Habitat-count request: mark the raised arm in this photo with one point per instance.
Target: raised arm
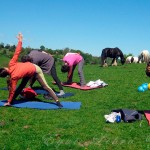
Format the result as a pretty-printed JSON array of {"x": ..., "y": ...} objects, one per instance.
[
  {"x": 13, "y": 82},
  {"x": 17, "y": 51}
]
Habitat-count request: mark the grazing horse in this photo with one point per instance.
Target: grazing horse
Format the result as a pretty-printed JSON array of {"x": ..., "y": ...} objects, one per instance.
[
  {"x": 132, "y": 59},
  {"x": 114, "y": 53},
  {"x": 144, "y": 56}
]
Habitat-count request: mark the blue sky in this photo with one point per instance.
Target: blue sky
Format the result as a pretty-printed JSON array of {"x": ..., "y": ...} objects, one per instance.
[{"x": 86, "y": 25}]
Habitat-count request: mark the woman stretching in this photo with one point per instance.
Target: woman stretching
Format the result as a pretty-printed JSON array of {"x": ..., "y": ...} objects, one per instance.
[
  {"x": 71, "y": 60},
  {"x": 24, "y": 71}
]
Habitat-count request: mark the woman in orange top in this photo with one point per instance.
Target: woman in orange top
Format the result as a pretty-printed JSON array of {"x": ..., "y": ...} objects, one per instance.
[{"x": 24, "y": 71}]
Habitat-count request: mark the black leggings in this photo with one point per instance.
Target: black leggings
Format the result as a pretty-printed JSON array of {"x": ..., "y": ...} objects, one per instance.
[
  {"x": 40, "y": 80},
  {"x": 55, "y": 77}
]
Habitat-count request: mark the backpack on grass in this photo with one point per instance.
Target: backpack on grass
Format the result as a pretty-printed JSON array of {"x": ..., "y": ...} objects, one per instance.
[{"x": 128, "y": 115}]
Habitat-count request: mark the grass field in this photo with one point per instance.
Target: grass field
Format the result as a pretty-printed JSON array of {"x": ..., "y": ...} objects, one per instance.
[{"x": 86, "y": 128}]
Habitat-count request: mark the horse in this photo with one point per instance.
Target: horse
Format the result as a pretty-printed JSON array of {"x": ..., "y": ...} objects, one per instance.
[
  {"x": 144, "y": 56},
  {"x": 114, "y": 53},
  {"x": 132, "y": 59}
]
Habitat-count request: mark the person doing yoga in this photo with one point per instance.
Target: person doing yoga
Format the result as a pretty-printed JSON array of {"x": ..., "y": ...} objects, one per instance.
[{"x": 18, "y": 70}]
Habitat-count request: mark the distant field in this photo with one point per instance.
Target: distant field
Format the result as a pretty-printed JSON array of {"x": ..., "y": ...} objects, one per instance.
[{"x": 83, "y": 129}]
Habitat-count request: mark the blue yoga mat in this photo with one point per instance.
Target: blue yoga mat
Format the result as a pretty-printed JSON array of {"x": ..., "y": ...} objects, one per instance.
[
  {"x": 42, "y": 105},
  {"x": 42, "y": 91}
]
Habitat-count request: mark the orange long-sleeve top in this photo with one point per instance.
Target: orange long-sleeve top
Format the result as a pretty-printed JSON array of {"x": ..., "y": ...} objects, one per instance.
[{"x": 18, "y": 70}]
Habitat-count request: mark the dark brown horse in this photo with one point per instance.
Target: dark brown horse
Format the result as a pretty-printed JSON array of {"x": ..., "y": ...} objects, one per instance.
[{"x": 113, "y": 53}]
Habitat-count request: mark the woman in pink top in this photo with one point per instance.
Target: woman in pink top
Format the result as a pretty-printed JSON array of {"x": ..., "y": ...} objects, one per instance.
[{"x": 71, "y": 60}]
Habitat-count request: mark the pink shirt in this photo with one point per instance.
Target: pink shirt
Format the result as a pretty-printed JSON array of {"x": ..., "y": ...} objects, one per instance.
[{"x": 72, "y": 58}]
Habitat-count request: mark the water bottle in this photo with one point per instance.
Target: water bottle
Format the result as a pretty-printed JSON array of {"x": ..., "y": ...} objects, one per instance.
[{"x": 118, "y": 118}]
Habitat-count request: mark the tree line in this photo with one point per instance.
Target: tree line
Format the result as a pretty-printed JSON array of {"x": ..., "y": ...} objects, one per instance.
[{"x": 8, "y": 51}]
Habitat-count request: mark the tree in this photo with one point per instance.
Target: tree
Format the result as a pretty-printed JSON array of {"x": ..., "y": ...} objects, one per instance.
[
  {"x": 12, "y": 48},
  {"x": 66, "y": 50},
  {"x": 7, "y": 46},
  {"x": 1, "y": 45},
  {"x": 128, "y": 55},
  {"x": 42, "y": 47}
]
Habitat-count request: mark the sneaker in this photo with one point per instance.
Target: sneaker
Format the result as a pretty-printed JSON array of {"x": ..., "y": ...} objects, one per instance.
[{"x": 61, "y": 93}]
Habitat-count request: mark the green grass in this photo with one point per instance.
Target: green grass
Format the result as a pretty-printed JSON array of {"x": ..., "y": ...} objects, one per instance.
[{"x": 83, "y": 129}]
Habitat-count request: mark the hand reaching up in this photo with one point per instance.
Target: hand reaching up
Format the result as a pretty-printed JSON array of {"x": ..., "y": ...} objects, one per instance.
[{"x": 20, "y": 37}]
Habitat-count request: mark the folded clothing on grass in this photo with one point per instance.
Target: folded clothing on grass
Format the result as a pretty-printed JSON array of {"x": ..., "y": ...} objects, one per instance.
[{"x": 96, "y": 83}]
